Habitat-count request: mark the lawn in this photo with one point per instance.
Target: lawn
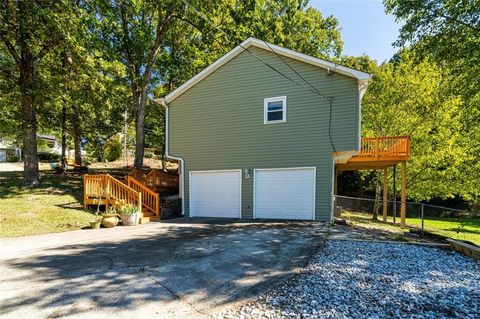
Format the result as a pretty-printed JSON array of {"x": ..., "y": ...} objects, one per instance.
[
  {"x": 464, "y": 229},
  {"x": 55, "y": 206}
]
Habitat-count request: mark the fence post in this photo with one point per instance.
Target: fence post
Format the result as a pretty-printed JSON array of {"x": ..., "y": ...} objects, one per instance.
[
  {"x": 394, "y": 193},
  {"x": 422, "y": 211}
]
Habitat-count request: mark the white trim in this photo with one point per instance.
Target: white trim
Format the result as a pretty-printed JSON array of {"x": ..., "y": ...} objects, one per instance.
[
  {"x": 213, "y": 171},
  {"x": 362, "y": 77},
  {"x": 267, "y": 100},
  {"x": 283, "y": 169}
]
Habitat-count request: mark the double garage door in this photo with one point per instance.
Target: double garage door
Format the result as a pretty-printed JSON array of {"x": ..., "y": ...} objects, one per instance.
[{"x": 277, "y": 193}]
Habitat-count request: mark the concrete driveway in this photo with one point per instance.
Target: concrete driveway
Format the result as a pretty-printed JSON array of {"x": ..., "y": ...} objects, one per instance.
[{"x": 183, "y": 268}]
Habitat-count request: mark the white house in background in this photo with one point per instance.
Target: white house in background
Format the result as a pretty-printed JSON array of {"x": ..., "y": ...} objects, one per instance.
[{"x": 8, "y": 148}]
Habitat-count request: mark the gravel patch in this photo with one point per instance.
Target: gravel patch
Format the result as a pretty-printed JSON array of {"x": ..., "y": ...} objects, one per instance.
[{"x": 375, "y": 280}]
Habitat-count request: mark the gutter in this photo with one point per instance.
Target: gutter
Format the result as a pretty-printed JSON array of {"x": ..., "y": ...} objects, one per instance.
[{"x": 163, "y": 103}]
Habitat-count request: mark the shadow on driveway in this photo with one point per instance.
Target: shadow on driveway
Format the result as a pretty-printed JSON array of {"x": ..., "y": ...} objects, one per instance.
[{"x": 182, "y": 268}]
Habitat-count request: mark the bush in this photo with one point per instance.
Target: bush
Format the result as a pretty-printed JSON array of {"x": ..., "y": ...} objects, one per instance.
[
  {"x": 49, "y": 157},
  {"x": 148, "y": 154},
  {"x": 113, "y": 149},
  {"x": 13, "y": 158}
]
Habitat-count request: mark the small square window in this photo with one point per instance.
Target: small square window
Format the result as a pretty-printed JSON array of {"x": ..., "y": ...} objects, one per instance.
[{"x": 275, "y": 110}]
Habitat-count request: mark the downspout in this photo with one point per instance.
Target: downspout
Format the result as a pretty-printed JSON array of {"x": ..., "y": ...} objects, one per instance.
[{"x": 163, "y": 103}]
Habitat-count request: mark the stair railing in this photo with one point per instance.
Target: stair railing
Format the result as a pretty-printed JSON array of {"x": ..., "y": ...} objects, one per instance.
[{"x": 150, "y": 199}]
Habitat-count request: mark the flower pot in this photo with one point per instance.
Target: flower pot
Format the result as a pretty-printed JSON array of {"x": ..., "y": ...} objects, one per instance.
[
  {"x": 95, "y": 224},
  {"x": 129, "y": 219},
  {"x": 109, "y": 220}
]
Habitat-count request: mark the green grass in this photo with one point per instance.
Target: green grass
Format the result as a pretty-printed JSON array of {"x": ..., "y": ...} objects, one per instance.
[
  {"x": 55, "y": 206},
  {"x": 464, "y": 229}
]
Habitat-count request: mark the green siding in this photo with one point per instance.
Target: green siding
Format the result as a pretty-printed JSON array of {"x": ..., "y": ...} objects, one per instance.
[{"x": 218, "y": 123}]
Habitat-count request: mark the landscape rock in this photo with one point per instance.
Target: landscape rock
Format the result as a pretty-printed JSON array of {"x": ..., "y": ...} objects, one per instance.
[{"x": 375, "y": 280}]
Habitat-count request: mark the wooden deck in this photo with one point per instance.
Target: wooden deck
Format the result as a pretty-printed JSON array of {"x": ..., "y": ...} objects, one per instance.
[{"x": 380, "y": 153}]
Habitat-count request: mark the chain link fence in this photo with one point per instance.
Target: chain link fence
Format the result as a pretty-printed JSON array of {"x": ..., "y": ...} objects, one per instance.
[{"x": 420, "y": 217}]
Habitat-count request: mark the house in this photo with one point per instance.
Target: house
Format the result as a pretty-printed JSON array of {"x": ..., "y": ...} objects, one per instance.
[
  {"x": 48, "y": 144},
  {"x": 256, "y": 140},
  {"x": 9, "y": 151}
]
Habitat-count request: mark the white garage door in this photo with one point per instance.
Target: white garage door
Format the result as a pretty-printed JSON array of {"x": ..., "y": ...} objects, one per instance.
[
  {"x": 285, "y": 193},
  {"x": 216, "y": 194}
]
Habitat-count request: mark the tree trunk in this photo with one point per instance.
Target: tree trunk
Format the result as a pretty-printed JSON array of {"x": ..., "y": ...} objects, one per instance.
[
  {"x": 29, "y": 121},
  {"x": 140, "y": 128},
  {"x": 378, "y": 191},
  {"x": 64, "y": 135},
  {"x": 77, "y": 135}
]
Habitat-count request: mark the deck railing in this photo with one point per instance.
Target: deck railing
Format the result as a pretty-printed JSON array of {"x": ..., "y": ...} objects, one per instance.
[
  {"x": 384, "y": 148},
  {"x": 107, "y": 189},
  {"x": 150, "y": 199},
  {"x": 162, "y": 179},
  {"x": 155, "y": 179}
]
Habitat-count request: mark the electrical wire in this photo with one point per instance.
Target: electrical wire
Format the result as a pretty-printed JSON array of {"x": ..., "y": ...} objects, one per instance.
[
  {"x": 239, "y": 43},
  {"x": 329, "y": 98}
]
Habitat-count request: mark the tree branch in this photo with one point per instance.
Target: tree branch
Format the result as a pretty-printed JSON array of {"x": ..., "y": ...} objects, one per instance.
[
  {"x": 10, "y": 49},
  {"x": 162, "y": 28},
  {"x": 438, "y": 13},
  {"x": 126, "y": 41}
]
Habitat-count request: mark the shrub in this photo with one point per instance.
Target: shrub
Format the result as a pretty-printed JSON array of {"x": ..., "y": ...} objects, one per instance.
[
  {"x": 13, "y": 158},
  {"x": 148, "y": 154},
  {"x": 113, "y": 149},
  {"x": 49, "y": 157}
]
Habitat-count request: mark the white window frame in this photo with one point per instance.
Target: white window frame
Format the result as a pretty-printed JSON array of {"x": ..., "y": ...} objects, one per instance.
[{"x": 282, "y": 99}]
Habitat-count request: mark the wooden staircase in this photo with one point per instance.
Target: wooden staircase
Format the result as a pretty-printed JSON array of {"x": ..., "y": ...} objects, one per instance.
[
  {"x": 109, "y": 191},
  {"x": 150, "y": 201}
]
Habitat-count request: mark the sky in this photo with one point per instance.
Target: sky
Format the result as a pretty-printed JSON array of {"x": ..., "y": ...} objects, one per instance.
[{"x": 365, "y": 26}]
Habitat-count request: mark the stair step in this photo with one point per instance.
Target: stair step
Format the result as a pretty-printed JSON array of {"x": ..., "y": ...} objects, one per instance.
[
  {"x": 144, "y": 220},
  {"x": 147, "y": 214}
]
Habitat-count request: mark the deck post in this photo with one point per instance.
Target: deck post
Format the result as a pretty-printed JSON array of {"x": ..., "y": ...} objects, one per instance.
[
  {"x": 85, "y": 191},
  {"x": 385, "y": 194},
  {"x": 335, "y": 181},
  {"x": 403, "y": 203}
]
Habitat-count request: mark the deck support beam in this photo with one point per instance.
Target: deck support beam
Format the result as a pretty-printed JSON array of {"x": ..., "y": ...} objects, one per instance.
[
  {"x": 335, "y": 181},
  {"x": 403, "y": 204},
  {"x": 385, "y": 194}
]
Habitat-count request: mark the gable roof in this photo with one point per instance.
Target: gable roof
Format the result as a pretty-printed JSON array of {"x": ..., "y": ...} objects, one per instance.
[{"x": 362, "y": 77}]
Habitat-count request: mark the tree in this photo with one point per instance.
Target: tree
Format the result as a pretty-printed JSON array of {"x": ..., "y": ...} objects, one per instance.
[
  {"x": 448, "y": 33},
  {"x": 408, "y": 97},
  {"x": 165, "y": 43},
  {"x": 29, "y": 30},
  {"x": 134, "y": 32}
]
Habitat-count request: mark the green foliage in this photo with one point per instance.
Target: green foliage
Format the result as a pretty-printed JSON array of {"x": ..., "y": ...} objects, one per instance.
[
  {"x": 408, "y": 97},
  {"x": 128, "y": 209},
  {"x": 148, "y": 154},
  {"x": 448, "y": 33},
  {"x": 48, "y": 157},
  {"x": 113, "y": 149},
  {"x": 13, "y": 158}
]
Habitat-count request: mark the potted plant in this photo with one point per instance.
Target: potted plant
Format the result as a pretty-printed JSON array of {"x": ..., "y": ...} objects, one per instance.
[
  {"x": 110, "y": 218},
  {"x": 95, "y": 223},
  {"x": 129, "y": 215}
]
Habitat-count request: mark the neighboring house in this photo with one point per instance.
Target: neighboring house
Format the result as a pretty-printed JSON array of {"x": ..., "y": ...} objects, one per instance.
[
  {"x": 48, "y": 144},
  {"x": 7, "y": 149},
  {"x": 252, "y": 144}
]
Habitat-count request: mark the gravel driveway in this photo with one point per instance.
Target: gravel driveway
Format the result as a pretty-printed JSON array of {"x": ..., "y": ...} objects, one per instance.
[{"x": 352, "y": 279}]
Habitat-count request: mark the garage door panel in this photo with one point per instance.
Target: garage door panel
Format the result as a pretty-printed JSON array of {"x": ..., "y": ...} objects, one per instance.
[
  {"x": 285, "y": 193},
  {"x": 215, "y": 194}
]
